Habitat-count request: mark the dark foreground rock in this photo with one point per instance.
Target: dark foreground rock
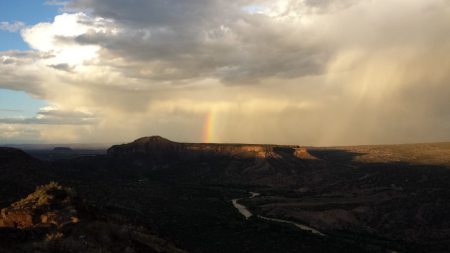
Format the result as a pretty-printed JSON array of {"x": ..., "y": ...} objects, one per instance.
[{"x": 54, "y": 219}]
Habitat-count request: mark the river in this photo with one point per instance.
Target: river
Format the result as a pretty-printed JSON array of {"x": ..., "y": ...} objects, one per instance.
[{"x": 247, "y": 214}]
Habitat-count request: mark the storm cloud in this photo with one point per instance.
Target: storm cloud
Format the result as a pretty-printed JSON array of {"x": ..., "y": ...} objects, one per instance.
[{"x": 307, "y": 72}]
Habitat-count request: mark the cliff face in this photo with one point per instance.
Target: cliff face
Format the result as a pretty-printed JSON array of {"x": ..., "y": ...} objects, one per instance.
[{"x": 159, "y": 148}]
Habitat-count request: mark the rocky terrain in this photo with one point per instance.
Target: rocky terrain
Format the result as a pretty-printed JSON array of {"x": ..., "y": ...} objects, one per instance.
[
  {"x": 54, "y": 219},
  {"x": 49, "y": 205},
  {"x": 364, "y": 199}
]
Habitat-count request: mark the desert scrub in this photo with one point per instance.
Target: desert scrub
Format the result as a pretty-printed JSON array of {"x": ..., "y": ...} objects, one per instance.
[
  {"x": 54, "y": 236},
  {"x": 43, "y": 196}
]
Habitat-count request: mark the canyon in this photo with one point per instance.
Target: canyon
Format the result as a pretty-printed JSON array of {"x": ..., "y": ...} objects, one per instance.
[{"x": 363, "y": 198}]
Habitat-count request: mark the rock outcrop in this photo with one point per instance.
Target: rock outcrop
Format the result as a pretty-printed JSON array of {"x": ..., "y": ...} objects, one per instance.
[
  {"x": 49, "y": 205},
  {"x": 157, "y": 147},
  {"x": 54, "y": 219}
]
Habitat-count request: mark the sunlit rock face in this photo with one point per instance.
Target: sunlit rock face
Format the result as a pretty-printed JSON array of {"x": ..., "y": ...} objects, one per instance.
[
  {"x": 157, "y": 147},
  {"x": 49, "y": 205},
  {"x": 303, "y": 153}
]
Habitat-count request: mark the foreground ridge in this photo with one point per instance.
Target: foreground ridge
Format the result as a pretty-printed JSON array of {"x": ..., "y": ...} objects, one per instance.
[{"x": 54, "y": 219}]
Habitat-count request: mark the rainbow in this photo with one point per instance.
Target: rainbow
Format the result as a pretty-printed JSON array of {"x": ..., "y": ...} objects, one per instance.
[{"x": 208, "y": 127}]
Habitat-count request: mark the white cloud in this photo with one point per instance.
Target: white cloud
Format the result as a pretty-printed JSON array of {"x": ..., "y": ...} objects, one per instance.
[
  {"x": 53, "y": 116},
  {"x": 12, "y": 27},
  {"x": 305, "y": 72},
  {"x": 55, "y": 38},
  {"x": 11, "y": 134}
]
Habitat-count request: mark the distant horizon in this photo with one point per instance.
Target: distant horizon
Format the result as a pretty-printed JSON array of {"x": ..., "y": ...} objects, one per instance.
[{"x": 109, "y": 144}]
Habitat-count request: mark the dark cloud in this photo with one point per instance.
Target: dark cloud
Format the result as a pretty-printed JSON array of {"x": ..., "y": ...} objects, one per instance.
[
  {"x": 160, "y": 13},
  {"x": 61, "y": 66},
  {"x": 182, "y": 40}
]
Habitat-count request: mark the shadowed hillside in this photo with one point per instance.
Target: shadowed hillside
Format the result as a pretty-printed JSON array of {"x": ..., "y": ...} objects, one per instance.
[
  {"x": 363, "y": 199},
  {"x": 54, "y": 219}
]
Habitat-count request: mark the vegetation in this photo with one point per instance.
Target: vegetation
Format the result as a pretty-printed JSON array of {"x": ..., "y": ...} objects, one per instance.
[
  {"x": 366, "y": 199},
  {"x": 44, "y": 196}
]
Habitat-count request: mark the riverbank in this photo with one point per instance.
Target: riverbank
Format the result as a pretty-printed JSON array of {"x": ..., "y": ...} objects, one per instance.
[{"x": 247, "y": 214}]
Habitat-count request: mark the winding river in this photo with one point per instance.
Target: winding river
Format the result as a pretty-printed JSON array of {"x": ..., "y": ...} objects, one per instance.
[{"x": 247, "y": 214}]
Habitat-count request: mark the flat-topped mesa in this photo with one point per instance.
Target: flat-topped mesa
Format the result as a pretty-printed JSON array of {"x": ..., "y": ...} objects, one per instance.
[
  {"x": 157, "y": 147},
  {"x": 153, "y": 140}
]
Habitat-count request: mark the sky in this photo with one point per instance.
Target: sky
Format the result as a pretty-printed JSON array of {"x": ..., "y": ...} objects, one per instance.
[{"x": 304, "y": 72}]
